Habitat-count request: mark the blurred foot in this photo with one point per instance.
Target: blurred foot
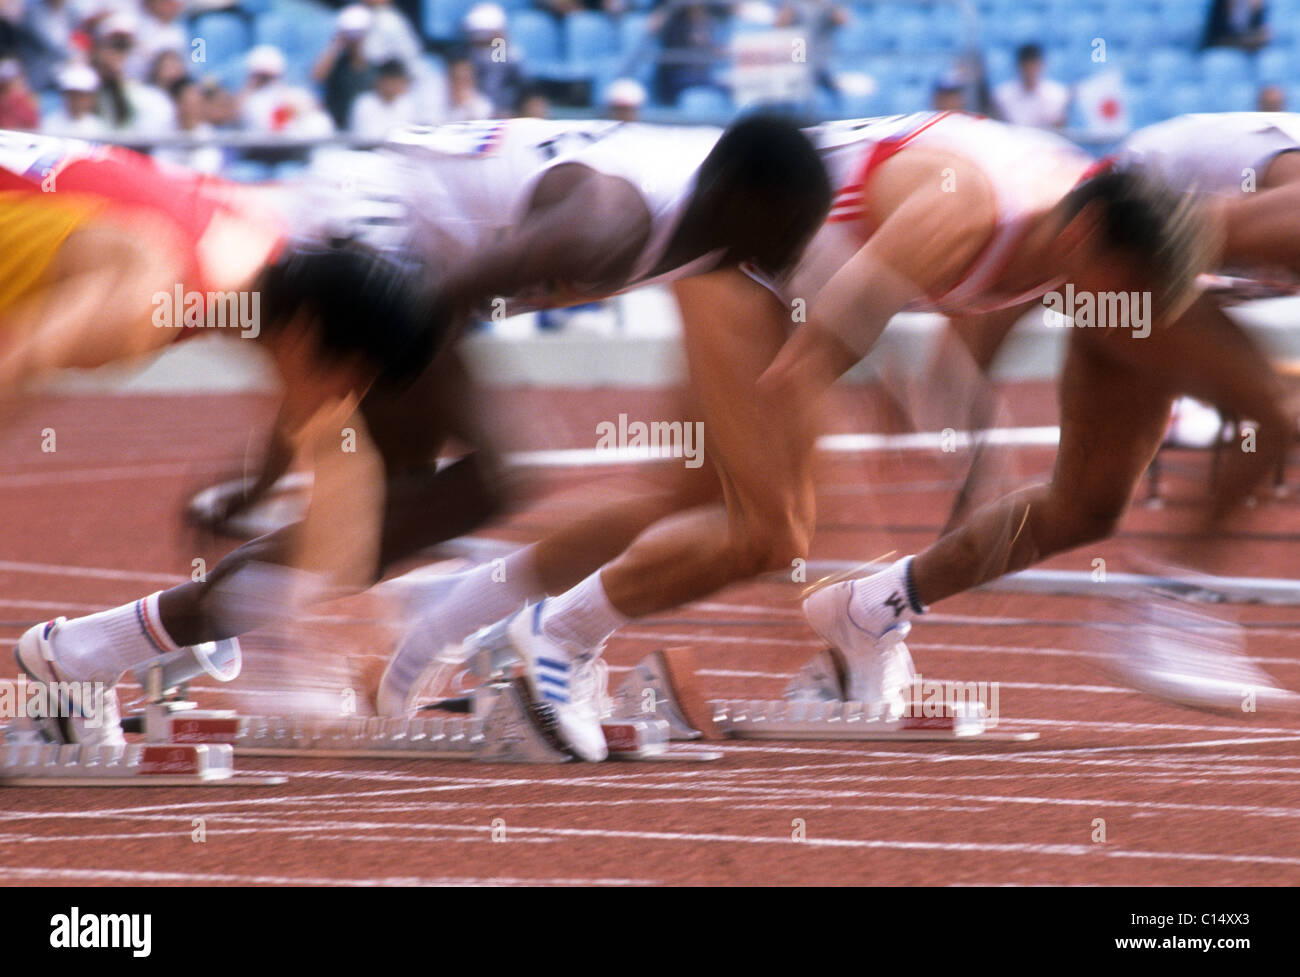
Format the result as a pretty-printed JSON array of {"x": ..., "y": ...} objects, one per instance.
[
  {"x": 565, "y": 679},
  {"x": 71, "y": 711}
]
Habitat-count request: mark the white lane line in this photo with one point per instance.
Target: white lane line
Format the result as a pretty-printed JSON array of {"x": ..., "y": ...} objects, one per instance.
[
  {"x": 139, "y": 876},
  {"x": 95, "y": 573},
  {"x": 109, "y": 474}
]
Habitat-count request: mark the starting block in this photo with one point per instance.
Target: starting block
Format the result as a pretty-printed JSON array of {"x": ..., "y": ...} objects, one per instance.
[
  {"x": 501, "y": 726},
  {"x": 183, "y": 746},
  {"x": 812, "y": 709}
]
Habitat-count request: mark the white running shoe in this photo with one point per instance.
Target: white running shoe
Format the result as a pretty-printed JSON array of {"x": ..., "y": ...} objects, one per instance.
[
  {"x": 425, "y": 654},
  {"x": 879, "y": 667},
  {"x": 1192, "y": 659},
  {"x": 75, "y": 720},
  {"x": 563, "y": 681}
]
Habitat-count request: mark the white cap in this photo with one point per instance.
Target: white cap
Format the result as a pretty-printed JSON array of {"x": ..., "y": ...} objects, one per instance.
[
  {"x": 265, "y": 59},
  {"x": 485, "y": 18},
  {"x": 78, "y": 78},
  {"x": 354, "y": 20},
  {"x": 626, "y": 93},
  {"x": 120, "y": 22}
]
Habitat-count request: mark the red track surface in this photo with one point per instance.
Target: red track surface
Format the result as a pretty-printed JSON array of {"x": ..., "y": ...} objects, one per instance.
[{"x": 1187, "y": 797}]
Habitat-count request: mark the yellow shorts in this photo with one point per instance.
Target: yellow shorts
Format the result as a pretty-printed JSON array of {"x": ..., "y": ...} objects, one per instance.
[{"x": 33, "y": 226}]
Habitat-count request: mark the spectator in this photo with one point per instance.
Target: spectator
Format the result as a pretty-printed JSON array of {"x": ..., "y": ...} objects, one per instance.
[
  {"x": 496, "y": 63},
  {"x": 1031, "y": 99},
  {"x": 47, "y": 40},
  {"x": 465, "y": 101},
  {"x": 562, "y": 8},
  {"x": 390, "y": 106},
  {"x": 819, "y": 20},
  {"x": 79, "y": 86},
  {"x": 390, "y": 36},
  {"x": 1237, "y": 23},
  {"x": 270, "y": 104},
  {"x": 18, "y": 109},
  {"x": 1271, "y": 98},
  {"x": 128, "y": 107},
  {"x": 624, "y": 100},
  {"x": 533, "y": 104},
  {"x": 691, "y": 38},
  {"x": 342, "y": 70},
  {"x": 949, "y": 93},
  {"x": 160, "y": 29},
  {"x": 187, "y": 96},
  {"x": 220, "y": 107},
  {"x": 165, "y": 70}
]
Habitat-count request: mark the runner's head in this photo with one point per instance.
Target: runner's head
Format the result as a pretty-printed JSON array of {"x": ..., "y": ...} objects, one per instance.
[
  {"x": 761, "y": 193},
  {"x": 338, "y": 316},
  {"x": 1123, "y": 230}
]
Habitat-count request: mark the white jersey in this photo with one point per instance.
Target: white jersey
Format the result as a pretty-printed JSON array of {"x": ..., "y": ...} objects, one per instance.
[
  {"x": 1220, "y": 154},
  {"x": 1029, "y": 170},
  {"x": 445, "y": 192}
]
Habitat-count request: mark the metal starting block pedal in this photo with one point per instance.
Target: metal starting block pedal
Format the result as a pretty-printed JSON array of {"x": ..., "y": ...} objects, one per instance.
[
  {"x": 133, "y": 765},
  {"x": 183, "y": 747},
  {"x": 813, "y": 709}
]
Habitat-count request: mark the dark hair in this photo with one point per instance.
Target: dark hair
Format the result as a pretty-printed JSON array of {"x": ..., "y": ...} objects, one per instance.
[
  {"x": 1143, "y": 218},
  {"x": 392, "y": 68},
  {"x": 764, "y": 166},
  {"x": 176, "y": 88},
  {"x": 365, "y": 305},
  {"x": 1029, "y": 52}
]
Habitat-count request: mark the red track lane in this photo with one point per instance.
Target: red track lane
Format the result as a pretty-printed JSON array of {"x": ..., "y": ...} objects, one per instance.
[{"x": 1186, "y": 797}]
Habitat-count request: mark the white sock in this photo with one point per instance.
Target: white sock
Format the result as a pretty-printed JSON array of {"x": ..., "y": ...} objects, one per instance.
[
  {"x": 583, "y": 617},
  {"x": 481, "y": 596},
  {"x": 258, "y": 595},
  {"x": 100, "y": 647},
  {"x": 885, "y": 599}
]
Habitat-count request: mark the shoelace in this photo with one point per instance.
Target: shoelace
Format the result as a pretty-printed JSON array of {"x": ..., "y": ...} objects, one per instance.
[{"x": 589, "y": 681}]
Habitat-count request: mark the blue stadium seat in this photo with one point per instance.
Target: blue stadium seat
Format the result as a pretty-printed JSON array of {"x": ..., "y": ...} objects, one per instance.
[
  {"x": 947, "y": 30},
  {"x": 999, "y": 65},
  {"x": 861, "y": 106},
  {"x": 1275, "y": 66},
  {"x": 1184, "y": 98},
  {"x": 1170, "y": 66},
  {"x": 1235, "y": 97},
  {"x": 858, "y": 37},
  {"x": 537, "y": 35},
  {"x": 1019, "y": 28},
  {"x": 911, "y": 34},
  {"x": 703, "y": 104},
  {"x": 590, "y": 42},
  {"x": 1182, "y": 25},
  {"x": 441, "y": 19},
  {"x": 902, "y": 99},
  {"x": 633, "y": 29},
  {"x": 1143, "y": 107},
  {"x": 300, "y": 38},
  {"x": 224, "y": 37},
  {"x": 1224, "y": 66},
  {"x": 1141, "y": 30}
]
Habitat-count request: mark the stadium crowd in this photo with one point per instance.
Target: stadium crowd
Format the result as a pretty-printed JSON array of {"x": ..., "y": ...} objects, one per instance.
[{"x": 136, "y": 70}]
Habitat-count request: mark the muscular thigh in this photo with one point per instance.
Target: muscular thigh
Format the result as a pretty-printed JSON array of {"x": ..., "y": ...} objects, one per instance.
[
  {"x": 1113, "y": 418},
  {"x": 732, "y": 330}
]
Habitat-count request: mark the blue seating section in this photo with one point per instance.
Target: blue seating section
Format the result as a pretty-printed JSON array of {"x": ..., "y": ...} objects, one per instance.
[{"x": 903, "y": 44}]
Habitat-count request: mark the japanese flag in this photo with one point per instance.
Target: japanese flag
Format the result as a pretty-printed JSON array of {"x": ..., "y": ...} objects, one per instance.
[{"x": 1102, "y": 105}]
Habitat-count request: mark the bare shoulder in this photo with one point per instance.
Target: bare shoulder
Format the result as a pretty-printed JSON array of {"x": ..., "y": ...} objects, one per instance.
[{"x": 935, "y": 212}]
